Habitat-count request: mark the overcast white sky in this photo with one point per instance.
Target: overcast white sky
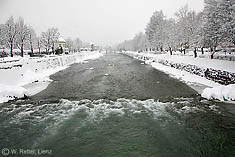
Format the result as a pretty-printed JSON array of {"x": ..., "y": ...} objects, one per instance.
[{"x": 104, "y": 22}]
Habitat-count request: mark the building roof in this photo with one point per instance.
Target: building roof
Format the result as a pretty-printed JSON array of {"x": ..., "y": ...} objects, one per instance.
[{"x": 61, "y": 39}]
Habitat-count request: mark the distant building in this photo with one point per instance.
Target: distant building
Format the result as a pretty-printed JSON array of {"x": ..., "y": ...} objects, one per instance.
[
  {"x": 85, "y": 49},
  {"x": 60, "y": 44}
]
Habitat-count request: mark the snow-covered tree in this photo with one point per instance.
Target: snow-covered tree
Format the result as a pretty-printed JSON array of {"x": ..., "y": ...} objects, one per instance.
[
  {"x": 54, "y": 36},
  {"x": 182, "y": 26},
  {"x": 170, "y": 31},
  {"x": 39, "y": 43},
  {"x": 32, "y": 38},
  {"x": 70, "y": 44},
  {"x": 22, "y": 35},
  {"x": 46, "y": 40},
  {"x": 226, "y": 14},
  {"x": 197, "y": 39},
  {"x": 154, "y": 29},
  {"x": 187, "y": 27},
  {"x": 140, "y": 42},
  {"x": 77, "y": 44},
  {"x": 211, "y": 25},
  {"x": 49, "y": 37},
  {"x": 1, "y": 34},
  {"x": 9, "y": 32},
  {"x": 219, "y": 23},
  {"x": 126, "y": 45}
]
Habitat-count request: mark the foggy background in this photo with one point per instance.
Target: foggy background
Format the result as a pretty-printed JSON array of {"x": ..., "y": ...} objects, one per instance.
[{"x": 104, "y": 22}]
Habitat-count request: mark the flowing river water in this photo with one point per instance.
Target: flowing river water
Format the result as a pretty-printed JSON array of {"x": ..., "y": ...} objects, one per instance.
[{"x": 162, "y": 126}]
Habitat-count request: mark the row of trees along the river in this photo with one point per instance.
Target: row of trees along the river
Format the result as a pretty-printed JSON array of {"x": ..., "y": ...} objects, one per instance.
[
  {"x": 213, "y": 27},
  {"x": 18, "y": 35}
]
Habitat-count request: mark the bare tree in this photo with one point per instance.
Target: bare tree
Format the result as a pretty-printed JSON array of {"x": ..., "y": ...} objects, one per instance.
[
  {"x": 22, "y": 35},
  {"x": 78, "y": 44},
  {"x": 70, "y": 44},
  {"x": 46, "y": 41},
  {"x": 183, "y": 28},
  {"x": 170, "y": 35},
  {"x": 9, "y": 33},
  {"x": 49, "y": 37},
  {"x": 1, "y": 34},
  {"x": 211, "y": 24},
  {"x": 54, "y": 36},
  {"x": 32, "y": 38},
  {"x": 39, "y": 44}
]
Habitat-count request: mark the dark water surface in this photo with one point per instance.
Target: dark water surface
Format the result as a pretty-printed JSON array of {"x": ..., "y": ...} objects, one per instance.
[{"x": 134, "y": 111}]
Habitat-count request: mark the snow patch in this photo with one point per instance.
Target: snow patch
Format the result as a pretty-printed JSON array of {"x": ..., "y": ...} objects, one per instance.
[
  {"x": 8, "y": 92},
  {"x": 221, "y": 93},
  {"x": 91, "y": 68}
]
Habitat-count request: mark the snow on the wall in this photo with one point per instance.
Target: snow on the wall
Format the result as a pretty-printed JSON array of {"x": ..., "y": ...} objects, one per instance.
[
  {"x": 194, "y": 66},
  {"x": 28, "y": 70},
  {"x": 199, "y": 70}
]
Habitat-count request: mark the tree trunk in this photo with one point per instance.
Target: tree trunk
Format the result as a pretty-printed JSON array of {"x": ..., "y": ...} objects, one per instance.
[
  {"x": 202, "y": 50},
  {"x": 39, "y": 48},
  {"x": 212, "y": 55},
  {"x": 48, "y": 46},
  {"x": 213, "y": 52},
  {"x": 214, "y": 48},
  {"x": 31, "y": 45},
  {"x": 170, "y": 50},
  {"x": 53, "y": 52},
  {"x": 22, "y": 50},
  {"x": 11, "y": 46},
  {"x": 211, "y": 49},
  {"x": 39, "y": 51},
  {"x": 195, "y": 52}
]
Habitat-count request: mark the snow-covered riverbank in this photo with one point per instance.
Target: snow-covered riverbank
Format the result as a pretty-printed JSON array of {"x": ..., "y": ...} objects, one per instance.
[
  {"x": 28, "y": 76},
  {"x": 192, "y": 71}
]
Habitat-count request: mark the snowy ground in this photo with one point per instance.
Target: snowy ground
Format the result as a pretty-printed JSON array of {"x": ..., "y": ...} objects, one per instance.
[
  {"x": 28, "y": 76},
  {"x": 207, "y": 88}
]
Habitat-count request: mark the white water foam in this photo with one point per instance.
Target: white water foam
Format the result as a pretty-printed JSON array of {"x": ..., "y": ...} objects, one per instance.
[
  {"x": 55, "y": 114},
  {"x": 97, "y": 110}
]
